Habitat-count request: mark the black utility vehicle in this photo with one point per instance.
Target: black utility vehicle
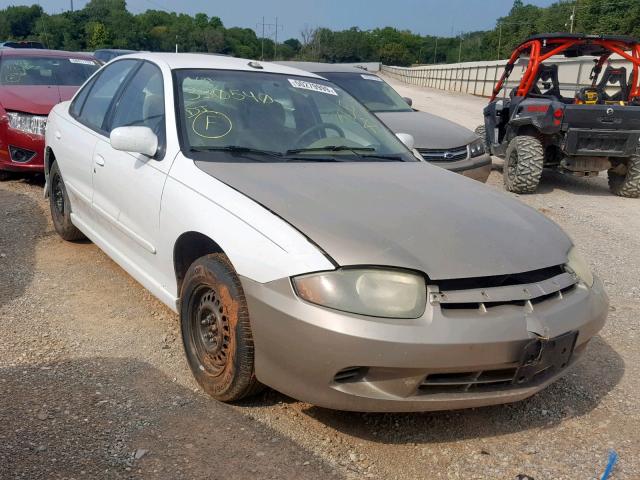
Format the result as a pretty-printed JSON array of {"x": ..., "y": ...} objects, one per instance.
[{"x": 536, "y": 127}]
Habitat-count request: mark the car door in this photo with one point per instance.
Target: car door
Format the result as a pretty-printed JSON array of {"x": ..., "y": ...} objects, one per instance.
[
  {"x": 127, "y": 187},
  {"x": 75, "y": 140}
]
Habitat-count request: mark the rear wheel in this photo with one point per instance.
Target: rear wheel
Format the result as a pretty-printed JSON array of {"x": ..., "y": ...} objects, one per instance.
[
  {"x": 216, "y": 332},
  {"x": 4, "y": 175},
  {"x": 61, "y": 208},
  {"x": 523, "y": 164},
  {"x": 626, "y": 183},
  {"x": 481, "y": 131}
]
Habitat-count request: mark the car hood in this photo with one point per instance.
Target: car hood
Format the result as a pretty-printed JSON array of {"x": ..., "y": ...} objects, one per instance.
[
  {"x": 36, "y": 99},
  {"x": 410, "y": 215},
  {"x": 429, "y": 131}
]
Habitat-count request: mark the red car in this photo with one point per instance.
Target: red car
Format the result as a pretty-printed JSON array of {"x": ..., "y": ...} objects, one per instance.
[{"x": 31, "y": 82}]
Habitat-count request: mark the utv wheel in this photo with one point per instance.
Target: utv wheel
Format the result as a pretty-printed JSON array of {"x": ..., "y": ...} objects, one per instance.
[
  {"x": 61, "y": 208},
  {"x": 216, "y": 332},
  {"x": 626, "y": 184},
  {"x": 481, "y": 131},
  {"x": 523, "y": 164}
]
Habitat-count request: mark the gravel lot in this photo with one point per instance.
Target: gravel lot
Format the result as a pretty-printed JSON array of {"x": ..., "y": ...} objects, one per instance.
[{"x": 93, "y": 383}]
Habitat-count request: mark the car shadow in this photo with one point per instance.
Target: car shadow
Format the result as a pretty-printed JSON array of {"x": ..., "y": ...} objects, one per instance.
[
  {"x": 552, "y": 181},
  {"x": 22, "y": 222},
  {"x": 90, "y": 417},
  {"x": 572, "y": 396}
]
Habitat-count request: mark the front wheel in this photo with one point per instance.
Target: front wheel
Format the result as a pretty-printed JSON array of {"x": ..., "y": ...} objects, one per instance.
[
  {"x": 216, "y": 333},
  {"x": 61, "y": 208},
  {"x": 523, "y": 164},
  {"x": 625, "y": 182}
]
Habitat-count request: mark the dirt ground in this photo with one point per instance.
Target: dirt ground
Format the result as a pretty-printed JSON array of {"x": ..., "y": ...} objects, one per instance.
[{"x": 93, "y": 383}]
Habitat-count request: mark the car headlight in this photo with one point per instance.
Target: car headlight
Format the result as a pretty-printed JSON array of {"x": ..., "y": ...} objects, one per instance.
[
  {"x": 374, "y": 292},
  {"x": 476, "y": 148},
  {"x": 34, "y": 124},
  {"x": 579, "y": 266}
]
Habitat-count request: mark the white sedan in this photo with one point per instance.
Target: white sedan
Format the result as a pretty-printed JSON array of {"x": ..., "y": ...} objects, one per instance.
[{"x": 305, "y": 247}]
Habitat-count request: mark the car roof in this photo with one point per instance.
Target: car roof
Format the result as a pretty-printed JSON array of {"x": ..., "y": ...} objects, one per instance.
[
  {"x": 117, "y": 50},
  {"x": 38, "y": 52},
  {"x": 320, "y": 68},
  {"x": 177, "y": 61}
]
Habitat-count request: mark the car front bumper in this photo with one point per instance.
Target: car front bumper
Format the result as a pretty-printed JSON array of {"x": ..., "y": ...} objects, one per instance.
[
  {"x": 477, "y": 168},
  {"x": 299, "y": 349},
  {"x": 15, "y": 138}
]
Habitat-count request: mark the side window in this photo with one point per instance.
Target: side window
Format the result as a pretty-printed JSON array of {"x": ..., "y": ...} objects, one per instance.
[
  {"x": 142, "y": 102},
  {"x": 78, "y": 102},
  {"x": 105, "y": 87}
]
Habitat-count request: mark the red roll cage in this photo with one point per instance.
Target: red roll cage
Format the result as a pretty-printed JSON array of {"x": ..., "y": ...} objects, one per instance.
[{"x": 543, "y": 47}]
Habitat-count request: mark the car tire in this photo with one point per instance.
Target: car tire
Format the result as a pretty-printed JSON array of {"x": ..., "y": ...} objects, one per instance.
[
  {"x": 4, "y": 175},
  {"x": 626, "y": 184},
  {"x": 481, "y": 131},
  {"x": 216, "y": 332},
  {"x": 61, "y": 207},
  {"x": 523, "y": 164}
]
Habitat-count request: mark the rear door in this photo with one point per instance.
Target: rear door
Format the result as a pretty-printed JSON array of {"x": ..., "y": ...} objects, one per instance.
[{"x": 76, "y": 139}]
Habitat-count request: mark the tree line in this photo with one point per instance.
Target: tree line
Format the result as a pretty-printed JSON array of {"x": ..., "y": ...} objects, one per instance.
[{"x": 108, "y": 24}]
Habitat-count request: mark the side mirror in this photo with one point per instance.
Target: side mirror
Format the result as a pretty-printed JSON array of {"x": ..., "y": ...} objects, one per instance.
[
  {"x": 408, "y": 100},
  {"x": 407, "y": 139},
  {"x": 135, "y": 140}
]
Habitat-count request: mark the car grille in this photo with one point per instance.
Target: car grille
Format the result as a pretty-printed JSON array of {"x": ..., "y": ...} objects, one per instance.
[
  {"x": 440, "y": 155},
  {"x": 521, "y": 289}
]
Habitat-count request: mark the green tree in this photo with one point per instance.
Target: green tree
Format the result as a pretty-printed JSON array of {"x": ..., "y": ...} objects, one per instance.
[{"x": 98, "y": 35}]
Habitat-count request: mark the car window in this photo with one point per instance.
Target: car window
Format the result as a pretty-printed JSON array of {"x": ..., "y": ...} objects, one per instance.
[
  {"x": 79, "y": 99},
  {"x": 376, "y": 94},
  {"x": 142, "y": 102},
  {"x": 45, "y": 70},
  {"x": 101, "y": 95},
  {"x": 285, "y": 114}
]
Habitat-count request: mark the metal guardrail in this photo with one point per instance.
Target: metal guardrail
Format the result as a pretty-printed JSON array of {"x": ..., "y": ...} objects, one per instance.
[{"x": 479, "y": 78}]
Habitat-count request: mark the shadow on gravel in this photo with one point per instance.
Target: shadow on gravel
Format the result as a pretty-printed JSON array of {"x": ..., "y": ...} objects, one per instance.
[
  {"x": 574, "y": 395},
  {"x": 88, "y": 418},
  {"x": 552, "y": 181},
  {"x": 21, "y": 223}
]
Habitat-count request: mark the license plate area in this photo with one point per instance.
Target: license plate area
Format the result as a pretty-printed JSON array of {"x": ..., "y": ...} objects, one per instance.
[{"x": 544, "y": 357}]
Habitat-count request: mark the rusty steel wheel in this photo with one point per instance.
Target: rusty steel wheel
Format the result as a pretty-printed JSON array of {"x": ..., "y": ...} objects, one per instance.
[{"x": 215, "y": 329}]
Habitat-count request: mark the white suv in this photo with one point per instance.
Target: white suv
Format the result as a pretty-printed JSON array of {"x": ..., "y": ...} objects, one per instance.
[{"x": 305, "y": 247}]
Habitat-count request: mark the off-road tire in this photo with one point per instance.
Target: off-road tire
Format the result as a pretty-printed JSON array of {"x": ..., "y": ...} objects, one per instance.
[
  {"x": 216, "y": 332},
  {"x": 61, "y": 207},
  {"x": 523, "y": 164},
  {"x": 627, "y": 185},
  {"x": 481, "y": 131}
]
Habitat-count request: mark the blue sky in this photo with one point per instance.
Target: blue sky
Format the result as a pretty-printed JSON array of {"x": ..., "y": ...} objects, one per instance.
[{"x": 439, "y": 17}]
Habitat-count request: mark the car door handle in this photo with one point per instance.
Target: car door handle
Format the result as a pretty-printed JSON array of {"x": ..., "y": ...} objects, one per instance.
[
  {"x": 99, "y": 160},
  {"x": 58, "y": 135}
]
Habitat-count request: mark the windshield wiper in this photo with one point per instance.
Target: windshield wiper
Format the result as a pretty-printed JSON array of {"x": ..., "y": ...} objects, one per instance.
[
  {"x": 330, "y": 148},
  {"x": 236, "y": 149},
  {"x": 393, "y": 158}
]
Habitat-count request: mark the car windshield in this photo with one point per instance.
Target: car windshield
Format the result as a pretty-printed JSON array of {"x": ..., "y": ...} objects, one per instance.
[
  {"x": 376, "y": 94},
  {"x": 259, "y": 116},
  {"x": 45, "y": 70}
]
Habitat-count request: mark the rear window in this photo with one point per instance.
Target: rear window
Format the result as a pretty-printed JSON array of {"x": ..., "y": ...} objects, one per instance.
[{"x": 45, "y": 70}]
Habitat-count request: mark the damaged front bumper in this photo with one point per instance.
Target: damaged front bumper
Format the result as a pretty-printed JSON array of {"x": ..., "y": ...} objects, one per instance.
[{"x": 482, "y": 353}]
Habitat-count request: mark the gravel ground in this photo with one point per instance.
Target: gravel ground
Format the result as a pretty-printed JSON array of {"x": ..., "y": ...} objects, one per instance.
[{"x": 93, "y": 383}]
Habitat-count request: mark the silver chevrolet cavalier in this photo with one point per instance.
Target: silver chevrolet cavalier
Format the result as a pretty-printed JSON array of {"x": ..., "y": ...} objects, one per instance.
[{"x": 306, "y": 248}]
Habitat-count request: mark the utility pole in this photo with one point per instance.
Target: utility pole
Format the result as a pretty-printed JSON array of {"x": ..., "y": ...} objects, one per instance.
[
  {"x": 435, "y": 52},
  {"x": 460, "y": 49},
  {"x": 176, "y": 43},
  {"x": 573, "y": 16},
  {"x": 262, "y": 42},
  {"x": 499, "y": 39},
  {"x": 275, "y": 44},
  {"x": 71, "y": 5}
]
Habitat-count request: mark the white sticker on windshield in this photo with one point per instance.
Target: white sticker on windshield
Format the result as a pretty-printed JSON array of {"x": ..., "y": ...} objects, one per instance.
[
  {"x": 316, "y": 87},
  {"x": 371, "y": 77},
  {"x": 82, "y": 61}
]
